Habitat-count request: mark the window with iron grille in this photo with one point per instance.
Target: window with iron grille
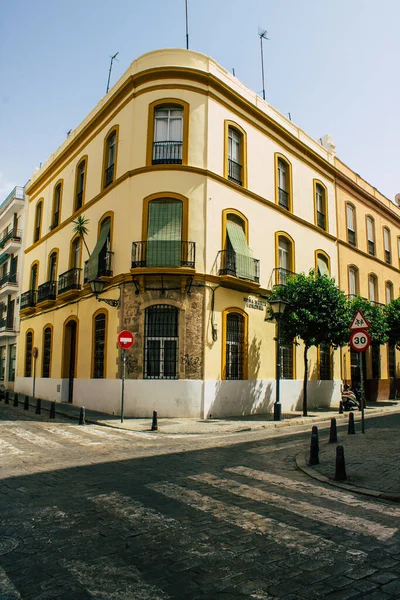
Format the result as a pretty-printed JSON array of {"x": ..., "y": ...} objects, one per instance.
[
  {"x": 286, "y": 351},
  {"x": 161, "y": 342},
  {"x": 28, "y": 354},
  {"x": 234, "y": 346},
  {"x": 325, "y": 362},
  {"x": 12, "y": 359},
  {"x": 376, "y": 362},
  {"x": 46, "y": 352},
  {"x": 392, "y": 360},
  {"x": 99, "y": 345}
]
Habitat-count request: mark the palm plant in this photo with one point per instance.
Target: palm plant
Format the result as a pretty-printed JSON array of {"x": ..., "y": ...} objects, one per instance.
[{"x": 80, "y": 228}]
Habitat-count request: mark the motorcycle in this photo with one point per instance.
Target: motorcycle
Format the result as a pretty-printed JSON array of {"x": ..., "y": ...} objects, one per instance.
[{"x": 349, "y": 400}]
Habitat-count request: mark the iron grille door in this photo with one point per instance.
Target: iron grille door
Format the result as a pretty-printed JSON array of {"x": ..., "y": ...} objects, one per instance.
[
  {"x": 46, "y": 352},
  {"x": 234, "y": 346},
  {"x": 161, "y": 342}
]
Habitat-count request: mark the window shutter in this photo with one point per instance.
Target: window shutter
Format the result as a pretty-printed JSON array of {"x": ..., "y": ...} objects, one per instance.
[
  {"x": 93, "y": 262},
  {"x": 164, "y": 234},
  {"x": 244, "y": 258}
]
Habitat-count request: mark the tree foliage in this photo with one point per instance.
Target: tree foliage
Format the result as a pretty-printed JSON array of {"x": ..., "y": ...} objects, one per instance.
[
  {"x": 376, "y": 317},
  {"x": 392, "y": 314},
  {"x": 80, "y": 228}
]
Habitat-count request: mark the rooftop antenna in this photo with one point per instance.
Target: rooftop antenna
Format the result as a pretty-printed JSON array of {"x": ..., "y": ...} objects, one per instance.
[
  {"x": 233, "y": 71},
  {"x": 109, "y": 71},
  {"x": 263, "y": 36},
  {"x": 187, "y": 25},
  {"x": 69, "y": 132}
]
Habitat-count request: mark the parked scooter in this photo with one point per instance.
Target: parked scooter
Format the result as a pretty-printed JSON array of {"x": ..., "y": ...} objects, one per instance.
[{"x": 349, "y": 399}]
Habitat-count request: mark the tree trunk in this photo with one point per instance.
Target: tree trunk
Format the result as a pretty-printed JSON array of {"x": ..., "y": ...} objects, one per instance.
[
  {"x": 84, "y": 241},
  {"x": 305, "y": 381}
]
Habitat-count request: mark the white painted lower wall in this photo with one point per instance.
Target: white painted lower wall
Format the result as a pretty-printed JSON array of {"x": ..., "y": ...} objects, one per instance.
[{"x": 184, "y": 398}]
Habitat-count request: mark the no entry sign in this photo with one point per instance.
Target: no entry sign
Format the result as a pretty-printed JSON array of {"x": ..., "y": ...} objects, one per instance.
[
  {"x": 125, "y": 340},
  {"x": 360, "y": 340}
]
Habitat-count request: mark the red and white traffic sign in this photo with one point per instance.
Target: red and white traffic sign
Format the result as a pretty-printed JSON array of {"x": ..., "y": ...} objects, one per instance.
[
  {"x": 125, "y": 339},
  {"x": 360, "y": 340},
  {"x": 359, "y": 322}
]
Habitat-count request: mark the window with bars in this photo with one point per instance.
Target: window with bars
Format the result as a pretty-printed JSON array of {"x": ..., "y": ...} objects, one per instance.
[
  {"x": 235, "y": 350},
  {"x": 168, "y": 135},
  {"x": 100, "y": 322},
  {"x": 46, "y": 352},
  {"x": 325, "y": 362},
  {"x": 161, "y": 342},
  {"x": 376, "y": 361},
  {"x": 391, "y": 361},
  {"x": 351, "y": 232},
  {"x": 286, "y": 360},
  {"x": 28, "y": 353}
]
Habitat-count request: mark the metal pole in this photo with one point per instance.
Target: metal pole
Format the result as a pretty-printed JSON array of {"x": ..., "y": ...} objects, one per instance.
[
  {"x": 277, "y": 405},
  {"x": 123, "y": 384},
  {"x": 262, "y": 67},
  {"x": 361, "y": 390},
  {"x": 187, "y": 25},
  {"x": 34, "y": 376}
]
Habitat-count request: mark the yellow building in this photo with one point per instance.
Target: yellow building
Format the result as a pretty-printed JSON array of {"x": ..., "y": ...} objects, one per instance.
[
  {"x": 199, "y": 197},
  {"x": 369, "y": 254}
]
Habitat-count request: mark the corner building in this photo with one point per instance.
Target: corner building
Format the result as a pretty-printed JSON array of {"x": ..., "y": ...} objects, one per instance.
[{"x": 199, "y": 197}]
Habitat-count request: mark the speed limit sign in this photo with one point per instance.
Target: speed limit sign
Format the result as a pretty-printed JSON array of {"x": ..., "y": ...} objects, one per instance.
[{"x": 360, "y": 340}]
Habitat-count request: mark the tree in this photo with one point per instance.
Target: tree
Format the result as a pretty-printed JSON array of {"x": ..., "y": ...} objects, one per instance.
[
  {"x": 392, "y": 314},
  {"x": 80, "y": 228},
  {"x": 375, "y": 316},
  {"x": 318, "y": 313}
]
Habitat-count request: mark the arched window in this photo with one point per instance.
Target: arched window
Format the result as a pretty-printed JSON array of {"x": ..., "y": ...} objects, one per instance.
[
  {"x": 372, "y": 288},
  {"x": 388, "y": 292},
  {"x": 386, "y": 245},
  {"x": 235, "y": 344},
  {"x": 353, "y": 281},
  {"x": 321, "y": 218},
  {"x": 235, "y": 162},
  {"x": 34, "y": 277},
  {"x": 99, "y": 262},
  {"x": 161, "y": 342},
  {"x": 76, "y": 253},
  {"x": 80, "y": 184},
  {"x": 28, "y": 353},
  {"x": 38, "y": 221},
  {"x": 56, "y": 206},
  {"x": 322, "y": 263},
  {"x": 351, "y": 224},
  {"x": 283, "y": 182},
  {"x": 284, "y": 258},
  {"x": 110, "y": 158},
  {"x": 99, "y": 345},
  {"x": 370, "y": 235},
  {"x": 52, "y": 267},
  {"x": 47, "y": 339},
  {"x": 168, "y": 135}
]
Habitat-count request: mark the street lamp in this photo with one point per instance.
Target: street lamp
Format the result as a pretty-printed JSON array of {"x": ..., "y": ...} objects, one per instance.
[
  {"x": 97, "y": 287},
  {"x": 278, "y": 307}
]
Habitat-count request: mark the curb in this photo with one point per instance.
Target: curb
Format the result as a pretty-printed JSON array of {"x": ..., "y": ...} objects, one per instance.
[{"x": 301, "y": 462}]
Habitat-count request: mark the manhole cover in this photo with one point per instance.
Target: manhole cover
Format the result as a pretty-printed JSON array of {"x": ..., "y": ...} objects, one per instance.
[{"x": 7, "y": 545}]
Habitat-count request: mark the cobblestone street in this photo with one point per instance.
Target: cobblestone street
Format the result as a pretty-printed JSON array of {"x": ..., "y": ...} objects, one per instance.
[{"x": 94, "y": 512}]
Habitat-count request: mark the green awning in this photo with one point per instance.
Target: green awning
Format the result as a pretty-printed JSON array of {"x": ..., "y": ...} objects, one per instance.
[
  {"x": 164, "y": 234},
  {"x": 93, "y": 262},
  {"x": 4, "y": 258},
  {"x": 244, "y": 258}
]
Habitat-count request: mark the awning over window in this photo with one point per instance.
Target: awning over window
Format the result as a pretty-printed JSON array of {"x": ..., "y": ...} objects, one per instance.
[
  {"x": 4, "y": 258},
  {"x": 244, "y": 259},
  {"x": 93, "y": 262},
  {"x": 164, "y": 234}
]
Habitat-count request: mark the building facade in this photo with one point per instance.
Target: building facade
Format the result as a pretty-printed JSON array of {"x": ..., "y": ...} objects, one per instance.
[
  {"x": 12, "y": 224},
  {"x": 197, "y": 197}
]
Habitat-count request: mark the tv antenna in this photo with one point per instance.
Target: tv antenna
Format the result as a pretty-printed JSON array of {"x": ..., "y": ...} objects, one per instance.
[
  {"x": 263, "y": 36},
  {"x": 187, "y": 25},
  {"x": 109, "y": 71}
]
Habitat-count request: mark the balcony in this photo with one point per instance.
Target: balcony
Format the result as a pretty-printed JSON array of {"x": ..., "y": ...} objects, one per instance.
[
  {"x": 7, "y": 327},
  {"x": 235, "y": 172},
  {"x": 163, "y": 253},
  {"x": 279, "y": 277},
  {"x": 104, "y": 266},
  {"x": 8, "y": 283},
  {"x": 283, "y": 198},
  {"x": 240, "y": 266},
  {"x": 11, "y": 241},
  {"x": 12, "y": 204},
  {"x": 167, "y": 153},
  {"x": 69, "y": 283},
  {"x": 47, "y": 292},
  {"x": 28, "y": 301}
]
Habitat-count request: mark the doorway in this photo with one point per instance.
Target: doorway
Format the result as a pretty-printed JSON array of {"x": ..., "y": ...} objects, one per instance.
[{"x": 69, "y": 363}]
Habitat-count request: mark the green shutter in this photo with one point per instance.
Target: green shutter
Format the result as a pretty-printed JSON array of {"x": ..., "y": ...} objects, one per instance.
[
  {"x": 164, "y": 234},
  {"x": 93, "y": 262},
  {"x": 4, "y": 258},
  {"x": 244, "y": 259}
]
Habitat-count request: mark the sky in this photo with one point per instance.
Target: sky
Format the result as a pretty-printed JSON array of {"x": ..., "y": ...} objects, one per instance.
[{"x": 334, "y": 65}]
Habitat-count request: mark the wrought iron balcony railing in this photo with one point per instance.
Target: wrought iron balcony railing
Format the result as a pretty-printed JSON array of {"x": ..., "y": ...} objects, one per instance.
[
  {"x": 238, "y": 265},
  {"x": 104, "y": 266},
  {"x": 28, "y": 299},
  {"x": 70, "y": 280},
  {"x": 11, "y": 278},
  {"x": 321, "y": 220},
  {"x": 235, "y": 171},
  {"x": 283, "y": 198},
  {"x": 14, "y": 234},
  {"x": 167, "y": 153},
  {"x": 18, "y": 193},
  {"x": 109, "y": 176},
  {"x": 279, "y": 276},
  {"x": 7, "y": 324},
  {"x": 163, "y": 253},
  {"x": 47, "y": 291}
]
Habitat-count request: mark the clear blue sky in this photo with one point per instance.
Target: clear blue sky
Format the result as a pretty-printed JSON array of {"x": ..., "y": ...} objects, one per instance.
[{"x": 334, "y": 65}]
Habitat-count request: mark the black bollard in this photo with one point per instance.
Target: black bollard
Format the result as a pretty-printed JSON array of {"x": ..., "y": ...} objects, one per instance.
[
  {"x": 26, "y": 403},
  {"x": 38, "y": 406},
  {"x": 154, "y": 426},
  {"x": 7, "y": 397},
  {"x": 340, "y": 473},
  {"x": 340, "y": 408},
  {"x": 314, "y": 447},
  {"x": 333, "y": 432},
  {"x": 351, "y": 428},
  {"x": 82, "y": 416},
  {"x": 53, "y": 410},
  {"x": 15, "y": 400}
]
